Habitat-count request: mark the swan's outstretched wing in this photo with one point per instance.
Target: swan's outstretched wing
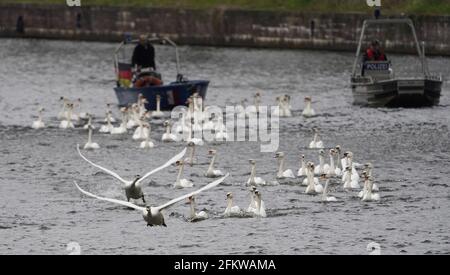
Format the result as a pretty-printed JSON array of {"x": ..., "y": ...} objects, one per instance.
[
  {"x": 209, "y": 186},
  {"x": 124, "y": 203},
  {"x": 102, "y": 168},
  {"x": 167, "y": 164}
]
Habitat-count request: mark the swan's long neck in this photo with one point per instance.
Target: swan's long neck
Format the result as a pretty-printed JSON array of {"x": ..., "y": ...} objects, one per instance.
[
  {"x": 369, "y": 187},
  {"x": 108, "y": 119},
  {"x": 147, "y": 137},
  {"x": 158, "y": 104},
  {"x": 281, "y": 166},
  {"x": 168, "y": 129},
  {"x": 69, "y": 114},
  {"x": 316, "y": 137},
  {"x": 40, "y": 115},
  {"x": 211, "y": 165},
  {"x": 321, "y": 161},
  {"x": 229, "y": 203},
  {"x": 308, "y": 106},
  {"x": 180, "y": 172},
  {"x": 257, "y": 103},
  {"x": 258, "y": 203},
  {"x": 338, "y": 161},
  {"x": 366, "y": 185},
  {"x": 192, "y": 209},
  {"x": 191, "y": 160},
  {"x": 90, "y": 135},
  {"x": 253, "y": 173},
  {"x": 332, "y": 166},
  {"x": 325, "y": 190}
]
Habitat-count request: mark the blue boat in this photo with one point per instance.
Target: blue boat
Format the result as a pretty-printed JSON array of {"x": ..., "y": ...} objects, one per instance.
[{"x": 174, "y": 94}]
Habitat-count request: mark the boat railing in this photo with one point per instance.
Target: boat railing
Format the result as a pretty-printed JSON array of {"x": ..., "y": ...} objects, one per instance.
[
  {"x": 407, "y": 21},
  {"x": 162, "y": 40}
]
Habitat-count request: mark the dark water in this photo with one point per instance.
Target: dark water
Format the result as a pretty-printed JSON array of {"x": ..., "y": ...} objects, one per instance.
[{"x": 41, "y": 211}]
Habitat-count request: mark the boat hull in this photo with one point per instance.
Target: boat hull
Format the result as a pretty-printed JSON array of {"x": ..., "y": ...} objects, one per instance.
[
  {"x": 172, "y": 95},
  {"x": 398, "y": 93}
]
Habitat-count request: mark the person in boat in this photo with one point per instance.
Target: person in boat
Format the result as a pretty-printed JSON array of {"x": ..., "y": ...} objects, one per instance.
[
  {"x": 143, "y": 55},
  {"x": 374, "y": 53},
  {"x": 143, "y": 64}
]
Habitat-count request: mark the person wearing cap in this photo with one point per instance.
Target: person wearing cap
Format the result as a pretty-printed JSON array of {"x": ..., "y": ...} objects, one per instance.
[{"x": 143, "y": 54}]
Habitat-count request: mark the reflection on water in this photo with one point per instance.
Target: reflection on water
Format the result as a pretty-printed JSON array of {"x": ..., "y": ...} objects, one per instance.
[{"x": 42, "y": 211}]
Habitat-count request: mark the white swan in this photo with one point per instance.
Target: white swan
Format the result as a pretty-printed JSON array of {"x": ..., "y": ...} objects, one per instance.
[
  {"x": 252, "y": 206},
  {"x": 283, "y": 174},
  {"x": 254, "y": 180},
  {"x": 347, "y": 162},
  {"x": 231, "y": 210},
  {"x": 168, "y": 136},
  {"x": 133, "y": 189},
  {"x": 111, "y": 118},
  {"x": 302, "y": 170},
  {"x": 122, "y": 129},
  {"x": 368, "y": 167},
  {"x": 191, "y": 139},
  {"x": 67, "y": 123},
  {"x": 260, "y": 209},
  {"x": 314, "y": 186},
  {"x": 133, "y": 116},
  {"x": 90, "y": 145},
  {"x": 182, "y": 183},
  {"x": 250, "y": 110},
  {"x": 316, "y": 143},
  {"x": 196, "y": 216},
  {"x": 306, "y": 180},
  {"x": 308, "y": 111},
  {"x": 369, "y": 195},
  {"x": 39, "y": 124},
  {"x": 211, "y": 172},
  {"x": 153, "y": 215},
  {"x": 142, "y": 132},
  {"x": 140, "y": 110},
  {"x": 333, "y": 171},
  {"x": 147, "y": 143},
  {"x": 158, "y": 114},
  {"x": 323, "y": 167},
  {"x": 286, "y": 103},
  {"x": 284, "y": 106},
  {"x": 325, "y": 197},
  {"x": 108, "y": 127},
  {"x": 63, "y": 113},
  {"x": 365, "y": 185},
  {"x": 349, "y": 181}
]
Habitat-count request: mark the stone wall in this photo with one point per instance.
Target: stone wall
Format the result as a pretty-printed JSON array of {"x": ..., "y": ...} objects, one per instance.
[{"x": 219, "y": 27}]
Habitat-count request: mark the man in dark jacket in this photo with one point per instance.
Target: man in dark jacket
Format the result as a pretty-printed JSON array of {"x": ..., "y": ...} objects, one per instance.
[{"x": 143, "y": 54}]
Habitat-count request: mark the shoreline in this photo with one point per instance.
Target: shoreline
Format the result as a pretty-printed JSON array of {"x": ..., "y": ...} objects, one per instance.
[{"x": 224, "y": 27}]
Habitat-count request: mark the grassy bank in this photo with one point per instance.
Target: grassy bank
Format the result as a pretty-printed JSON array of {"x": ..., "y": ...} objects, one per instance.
[{"x": 435, "y": 7}]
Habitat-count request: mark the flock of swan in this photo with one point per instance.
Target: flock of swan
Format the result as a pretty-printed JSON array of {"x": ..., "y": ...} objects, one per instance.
[{"x": 339, "y": 170}]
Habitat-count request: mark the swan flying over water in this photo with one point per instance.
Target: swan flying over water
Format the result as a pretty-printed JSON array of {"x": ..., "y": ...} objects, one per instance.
[
  {"x": 133, "y": 188},
  {"x": 153, "y": 215}
]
